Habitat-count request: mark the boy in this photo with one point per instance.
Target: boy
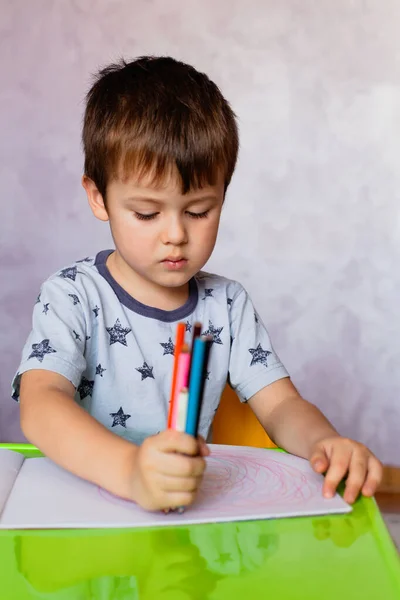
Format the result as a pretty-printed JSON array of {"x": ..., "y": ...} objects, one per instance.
[{"x": 160, "y": 145}]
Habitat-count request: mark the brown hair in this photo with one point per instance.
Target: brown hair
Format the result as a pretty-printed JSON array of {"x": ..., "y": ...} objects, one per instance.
[{"x": 154, "y": 113}]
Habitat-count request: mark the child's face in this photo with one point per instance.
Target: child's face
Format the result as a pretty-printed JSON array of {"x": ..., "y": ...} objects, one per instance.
[{"x": 163, "y": 236}]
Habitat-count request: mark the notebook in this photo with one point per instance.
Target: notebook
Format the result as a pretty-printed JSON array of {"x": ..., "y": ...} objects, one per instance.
[{"x": 240, "y": 483}]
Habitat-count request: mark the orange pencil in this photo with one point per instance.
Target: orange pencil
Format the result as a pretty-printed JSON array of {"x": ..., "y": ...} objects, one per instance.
[{"x": 180, "y": 336}]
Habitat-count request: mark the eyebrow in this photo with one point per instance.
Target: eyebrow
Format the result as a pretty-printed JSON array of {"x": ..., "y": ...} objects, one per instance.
[{"x": 159, "y": 202}]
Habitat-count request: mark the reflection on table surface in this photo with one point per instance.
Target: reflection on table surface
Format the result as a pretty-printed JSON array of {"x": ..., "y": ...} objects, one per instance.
[{"x": 315, "y": 557}]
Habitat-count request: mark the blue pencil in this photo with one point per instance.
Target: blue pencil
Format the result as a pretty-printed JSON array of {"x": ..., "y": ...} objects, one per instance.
[
  {"x": 196, "y": 384},
  {"x": 208, "y": 342},
  {"x": 200, "y": 353}
]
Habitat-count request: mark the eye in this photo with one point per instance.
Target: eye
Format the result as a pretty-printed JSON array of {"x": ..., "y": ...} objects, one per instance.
[
  {"x": 142, "y": 217},
  {"x": 201, "y": 215}
]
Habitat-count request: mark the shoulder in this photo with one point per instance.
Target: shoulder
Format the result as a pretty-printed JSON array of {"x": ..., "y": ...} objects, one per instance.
[
  {"x": 76, "y": 280},
  {"x": 219, "y": 284}
]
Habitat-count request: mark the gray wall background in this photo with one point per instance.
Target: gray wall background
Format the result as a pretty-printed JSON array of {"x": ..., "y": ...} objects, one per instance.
[{"x": 311, "y": 225}]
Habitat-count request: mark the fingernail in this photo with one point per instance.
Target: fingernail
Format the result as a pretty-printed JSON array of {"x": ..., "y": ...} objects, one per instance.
[{"x": 328, "y": 494}]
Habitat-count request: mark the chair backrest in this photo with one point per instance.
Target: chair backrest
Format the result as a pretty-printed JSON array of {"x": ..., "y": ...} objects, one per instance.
[{"x": 236, "y": 424}]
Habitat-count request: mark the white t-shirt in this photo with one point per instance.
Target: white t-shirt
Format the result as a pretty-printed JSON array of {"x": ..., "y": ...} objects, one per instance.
[{"x": 118, "y": 352}]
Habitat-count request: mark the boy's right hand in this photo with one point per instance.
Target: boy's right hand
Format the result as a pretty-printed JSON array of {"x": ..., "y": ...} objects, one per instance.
[{"x": 168, "y": 470}]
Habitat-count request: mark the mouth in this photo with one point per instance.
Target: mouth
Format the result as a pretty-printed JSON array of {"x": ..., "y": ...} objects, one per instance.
[{"x": 174, "y": 263}]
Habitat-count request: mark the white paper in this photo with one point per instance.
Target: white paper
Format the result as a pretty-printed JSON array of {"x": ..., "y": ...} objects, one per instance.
[
  {"x": 240, "y": 483},
  {"x": 10, "y": 464}
]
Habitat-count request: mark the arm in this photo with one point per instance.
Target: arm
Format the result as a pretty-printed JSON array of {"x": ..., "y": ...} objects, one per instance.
[
  {"x": 66, "y": 433},
  {"x": 164, "y": 471},
  {"x": 291, "y": 422},
  {"x": 300, "y": 428}
]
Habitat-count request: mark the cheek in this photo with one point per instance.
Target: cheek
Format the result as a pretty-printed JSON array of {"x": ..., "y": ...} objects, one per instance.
[
  {"x": 208, "y": 234},
  {"x": 211, "y": 228},
  {"x": 127, "y": 227}
]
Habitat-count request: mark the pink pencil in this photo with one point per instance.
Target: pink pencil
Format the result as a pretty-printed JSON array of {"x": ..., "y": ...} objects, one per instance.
[{"x": 182, "y": 381}]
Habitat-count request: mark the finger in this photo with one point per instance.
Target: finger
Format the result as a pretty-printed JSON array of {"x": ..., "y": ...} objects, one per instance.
[
  {"x": 177, "y": 441},
  {"x": 374, "y": 477},
  {"x": 203, "y": 448},
  {"x": 178, "y": 499},
  {"x": 357, "y": 474},
  {"x": 178, "y": 465},
  {"x": 338, "y": 467},
  {"x": 319, "y": 461},
  {"x": 179, "y": 484}
]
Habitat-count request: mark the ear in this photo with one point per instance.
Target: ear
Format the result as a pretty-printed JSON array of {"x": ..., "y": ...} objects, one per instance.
[{"x": 96, "y": 201}]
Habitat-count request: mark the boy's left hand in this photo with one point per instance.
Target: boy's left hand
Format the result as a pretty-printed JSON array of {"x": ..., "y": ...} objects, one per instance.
[{"x": 338, "y": 456}]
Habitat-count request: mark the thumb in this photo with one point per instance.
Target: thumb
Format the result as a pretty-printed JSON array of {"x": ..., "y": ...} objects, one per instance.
[
  {"x": 172, "y": 441},
  {"x": 319, "y": 460},
  {"x": 203, "y": 448}
]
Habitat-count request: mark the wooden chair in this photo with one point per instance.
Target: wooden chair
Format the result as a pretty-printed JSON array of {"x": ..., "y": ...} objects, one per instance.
[{"x": 236, "y": 424}]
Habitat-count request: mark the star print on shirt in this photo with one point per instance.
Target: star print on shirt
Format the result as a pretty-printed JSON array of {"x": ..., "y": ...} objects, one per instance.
[
  {"x": 188, "y": 326},
  {"x": 145, "y": 371},
  {"x": 38, "y": 299},
  {"x": 15, "y": 395},
  {"x": 74, "y": 299},
  {"x": 214, "y": 333},
  {"x": 118, "y": 333},
  {"x": 96, "y": 311},
  {"x": 77, "y": 336},
  {"x": 119, "y": 418},
  {"x": 208, "y": 293},
  {"x": 82, "y": 260},
  {"x": 229, "y": 301},
  {"x": 69, "y": 273},
  {"x": 169, "y": 347},
  {"x": 46, "y": 308},
  {"x": 207, "y": 376},
  {"x": 40, "y": 350},
  {"x": 85, "y": 388},
  {"x": 100, "y": 370},
  {"x": 255, "y": 317},
  {"x": 259, "y": 356}
]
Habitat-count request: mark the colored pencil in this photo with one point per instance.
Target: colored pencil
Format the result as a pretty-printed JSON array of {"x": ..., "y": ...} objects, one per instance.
[
  {"x": 180, "y": 336},
  {"x": 182, "y": 406},
  {"x": 195, "y": 385},
  {"x": 190, "y": 369},
  {"x": 208, "y": 344},
  {"x": 196, "y": 333},
  {"x": 182, "y": 381}
]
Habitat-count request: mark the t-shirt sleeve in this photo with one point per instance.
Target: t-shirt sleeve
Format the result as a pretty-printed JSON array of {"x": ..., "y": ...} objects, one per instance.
[
  {"x": 58, "y": 336},
  {"x": 253, "y": 363}
]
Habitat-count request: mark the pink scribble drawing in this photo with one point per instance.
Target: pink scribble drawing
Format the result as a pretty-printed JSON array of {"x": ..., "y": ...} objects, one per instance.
[
  {"x": 243, "y": 483},
  {"x": 252, "y": 482}
]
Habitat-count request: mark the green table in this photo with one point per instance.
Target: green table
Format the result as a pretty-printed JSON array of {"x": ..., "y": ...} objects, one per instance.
[{"x": 349, "y": 557}]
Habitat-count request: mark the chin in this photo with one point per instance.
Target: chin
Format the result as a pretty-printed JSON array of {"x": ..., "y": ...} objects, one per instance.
[{"x": 173, "y": 280}]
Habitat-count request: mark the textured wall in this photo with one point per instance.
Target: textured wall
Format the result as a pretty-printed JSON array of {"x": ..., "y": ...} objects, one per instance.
[{"x": 311, "y": 224}]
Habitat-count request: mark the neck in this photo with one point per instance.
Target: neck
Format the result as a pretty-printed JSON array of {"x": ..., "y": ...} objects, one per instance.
[{"x": 143, "y": 290}]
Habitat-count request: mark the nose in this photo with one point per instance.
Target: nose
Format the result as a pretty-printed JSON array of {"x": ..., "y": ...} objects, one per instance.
[{"x": 174, "y": 231}]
